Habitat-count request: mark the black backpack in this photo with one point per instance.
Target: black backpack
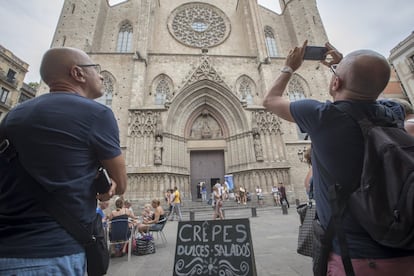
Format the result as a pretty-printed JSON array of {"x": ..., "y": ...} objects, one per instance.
[{"x": 383, "y": 203}]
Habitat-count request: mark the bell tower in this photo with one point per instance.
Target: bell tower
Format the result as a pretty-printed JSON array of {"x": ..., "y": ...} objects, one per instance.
[
  {"x": 80, "y": 24},
  {"x": 305, "y": 21}
]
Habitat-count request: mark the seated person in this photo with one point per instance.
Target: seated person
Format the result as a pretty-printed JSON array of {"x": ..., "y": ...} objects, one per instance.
[
  {"x": 128, "y": 205},
  {"x": 120, "y": 213},
  {"x": 237, "y": 195},
  {"x": 147, "y": 213},
  {"x": 102, "y": 205},
  {"x": 157, "y": 218}
]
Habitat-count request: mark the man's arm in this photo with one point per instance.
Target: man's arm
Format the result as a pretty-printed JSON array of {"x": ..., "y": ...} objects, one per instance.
[
  {"x": 117, "y": 171},
  {"x": 273, "y": 100},
  {"x": 409, "y": 127},
  {"x": 307, "y": 180}
]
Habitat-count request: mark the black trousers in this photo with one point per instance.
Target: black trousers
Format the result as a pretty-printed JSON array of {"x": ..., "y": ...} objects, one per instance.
[{"x": 282, "y": 199}]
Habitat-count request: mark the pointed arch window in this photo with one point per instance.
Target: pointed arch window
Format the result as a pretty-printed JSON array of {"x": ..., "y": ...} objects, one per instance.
[
  {"x": 108, "y": 84},
  {"x": 124, "y": 38},
  {"x": 296, "y": 93},
  {"x": 270, "y": 42},
  {"x": 162, "y": 91},
  {"x": 245, "y": 91}
]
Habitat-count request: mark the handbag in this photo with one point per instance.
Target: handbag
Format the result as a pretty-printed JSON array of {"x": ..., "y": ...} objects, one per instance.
[
  {"x": 144, "y": 245},
  {"x": 97, "y": 254},
  {"x": 314, "y": 241},
  {"x": 91, "y": 237},
  {"x": 307, "y": 213},
  {"x": 321, "y": 247}
]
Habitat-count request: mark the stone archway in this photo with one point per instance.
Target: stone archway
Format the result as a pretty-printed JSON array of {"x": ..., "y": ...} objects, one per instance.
[{"x": 204, "y": 102}]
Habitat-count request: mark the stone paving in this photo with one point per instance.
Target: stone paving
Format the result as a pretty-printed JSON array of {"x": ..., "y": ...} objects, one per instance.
[{"x": 274, "y": 243}]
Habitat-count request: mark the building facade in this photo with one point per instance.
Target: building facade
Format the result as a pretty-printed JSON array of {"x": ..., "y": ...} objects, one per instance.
[
  {"x": 12, "y": 88},
  {"x": 186, "y": 82},
  {"x": 402, "y": 60}
]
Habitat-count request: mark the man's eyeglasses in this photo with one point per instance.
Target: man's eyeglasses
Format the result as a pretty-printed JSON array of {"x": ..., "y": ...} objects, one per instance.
[
  {"x": 97, "y": 67},
  {"x": 333, "y": 69}
]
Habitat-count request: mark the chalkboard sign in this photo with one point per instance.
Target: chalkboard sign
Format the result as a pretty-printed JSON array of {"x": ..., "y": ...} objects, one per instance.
[{"x": 214, "y": 247}]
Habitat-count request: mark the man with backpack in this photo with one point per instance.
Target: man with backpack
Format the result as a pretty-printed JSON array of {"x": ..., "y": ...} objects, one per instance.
[{"x": 338, "y": 156}]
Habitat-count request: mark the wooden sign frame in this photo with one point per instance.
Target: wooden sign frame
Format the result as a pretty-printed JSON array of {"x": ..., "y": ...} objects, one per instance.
[{"x": 214, "y": 247}]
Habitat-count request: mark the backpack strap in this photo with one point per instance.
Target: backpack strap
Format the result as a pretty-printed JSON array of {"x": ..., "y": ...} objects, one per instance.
[
  {"x": 338, "y": 205},
  {"x": 49, "y": 203},
  {"x": 384, "y": 116}
]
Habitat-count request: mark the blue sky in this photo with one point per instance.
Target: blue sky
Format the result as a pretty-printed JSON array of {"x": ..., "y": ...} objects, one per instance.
[{"x": 27, "y": 26}]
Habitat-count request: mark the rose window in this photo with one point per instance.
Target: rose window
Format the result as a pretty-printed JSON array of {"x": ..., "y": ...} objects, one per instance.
[{"x": 199, "y": 25}]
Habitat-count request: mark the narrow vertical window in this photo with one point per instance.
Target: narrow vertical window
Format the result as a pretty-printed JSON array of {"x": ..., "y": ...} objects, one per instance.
[
  {"x": 296, "y": 93},
  {"x": 124, "y": 38},
  {"x": 161, "y": 92},
  {"x": 73, "y": 8},
  {"x": 11, "y": 76},
  {"x": 245, "y": 91},
  {"x": 270, "y": 42},
  {"x": 410, "y": 63},
  {"x": 4, "y": 94},
  {"x": 108, "y": 84}
]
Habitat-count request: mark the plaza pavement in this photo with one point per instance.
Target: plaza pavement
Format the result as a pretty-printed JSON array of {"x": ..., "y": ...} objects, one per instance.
[{"x": 274, "y": 243}]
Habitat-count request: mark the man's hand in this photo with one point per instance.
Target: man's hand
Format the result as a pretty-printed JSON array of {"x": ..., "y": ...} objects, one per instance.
[
  {"x": 107, "y": 196},
  {"x": 333, "y": 56},
  {"x": 295, "y": 57}
]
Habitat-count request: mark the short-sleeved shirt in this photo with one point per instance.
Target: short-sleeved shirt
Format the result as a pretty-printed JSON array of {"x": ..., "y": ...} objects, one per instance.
[
  {"x": 177, "y": 197},
  {"x": 338, "y": 144},
  {"x": 60, "y": 138},
  {"x": 100, "y": 212}
]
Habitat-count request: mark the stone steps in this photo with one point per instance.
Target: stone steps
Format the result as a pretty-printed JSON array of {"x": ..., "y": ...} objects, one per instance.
[{"x": 203, "y": 209}]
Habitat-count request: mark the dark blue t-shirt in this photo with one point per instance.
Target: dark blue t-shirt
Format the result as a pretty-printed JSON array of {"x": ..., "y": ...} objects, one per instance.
[
  {"x": 338, "y": 143},
  {"x": 60, "y": 138}
]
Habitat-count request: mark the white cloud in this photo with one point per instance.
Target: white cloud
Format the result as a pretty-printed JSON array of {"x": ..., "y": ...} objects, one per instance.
[{"x": 372, "y": 24}]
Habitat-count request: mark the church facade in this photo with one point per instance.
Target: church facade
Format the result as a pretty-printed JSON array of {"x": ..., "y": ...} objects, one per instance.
[{"x": 186, "y": 82}]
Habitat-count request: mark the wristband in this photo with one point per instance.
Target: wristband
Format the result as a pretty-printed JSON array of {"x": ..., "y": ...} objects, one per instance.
[{"x": 287, "y": 69}]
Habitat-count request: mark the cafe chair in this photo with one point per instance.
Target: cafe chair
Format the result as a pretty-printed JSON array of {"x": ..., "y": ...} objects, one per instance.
[
  {"x": 160, "y": 233},
  {"x": 120, "y": 232}
]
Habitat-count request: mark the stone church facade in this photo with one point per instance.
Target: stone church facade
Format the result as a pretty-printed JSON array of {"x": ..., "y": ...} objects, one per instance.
[{"x": 186, "y": 82}]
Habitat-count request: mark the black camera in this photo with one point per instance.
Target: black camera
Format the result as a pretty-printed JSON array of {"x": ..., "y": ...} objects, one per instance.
[{"x": 102, "y": 182}]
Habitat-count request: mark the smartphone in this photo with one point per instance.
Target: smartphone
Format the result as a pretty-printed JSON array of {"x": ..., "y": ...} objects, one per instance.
[
  {"x": 315, "y": 53},
  {"x": 102, "y": 182}
]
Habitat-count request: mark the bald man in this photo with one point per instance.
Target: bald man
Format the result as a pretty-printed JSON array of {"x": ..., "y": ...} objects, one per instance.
[
  {"x": 357, "y": 80},
  {"x": 61, "y": 138}
]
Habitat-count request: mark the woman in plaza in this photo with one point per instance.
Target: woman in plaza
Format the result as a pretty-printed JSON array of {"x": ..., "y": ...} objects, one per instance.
[
  {"x": 121, "y": 212},
  {"x": 218, "y": 207},
  {"x": 157, "y": 219}
]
